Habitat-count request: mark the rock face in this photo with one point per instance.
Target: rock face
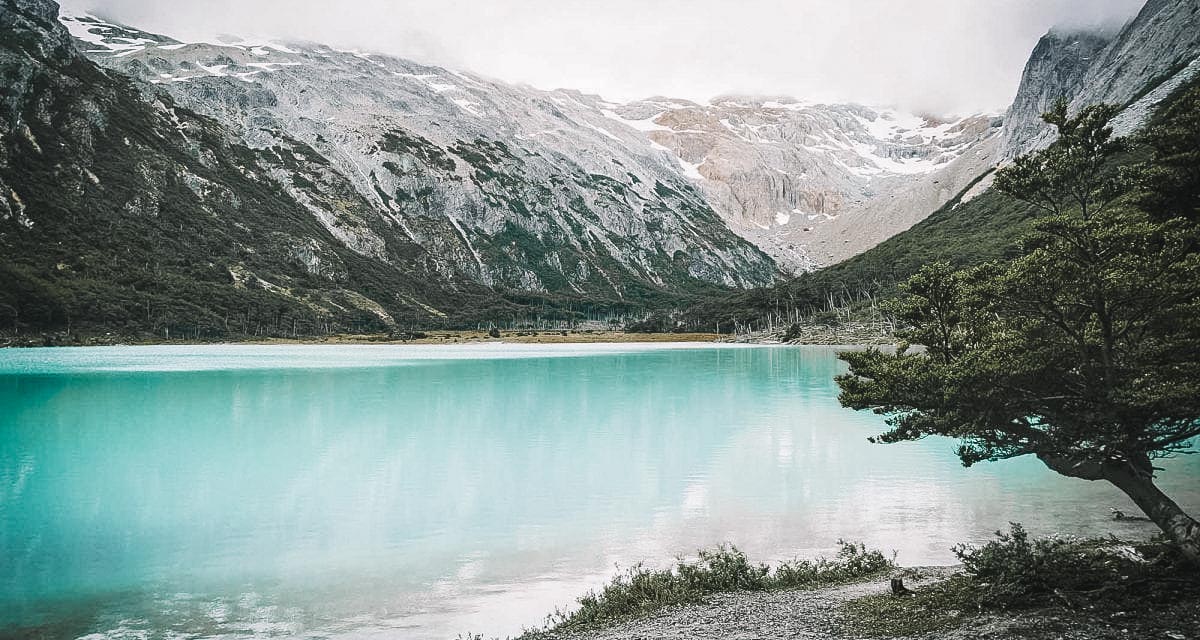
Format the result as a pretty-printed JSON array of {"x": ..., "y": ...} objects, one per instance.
[
  {"x": 1135, "y": 69},
  {"x": 1056, "y": 68},
  {"x": 812, "y": 183}
]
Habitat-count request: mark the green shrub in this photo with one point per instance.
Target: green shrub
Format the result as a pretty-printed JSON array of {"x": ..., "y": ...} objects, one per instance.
[
  {"x": 853, "y": 561},
  {"x": 1097, "y": 576},
  {"x": 1013, "y": 571},
  {"x": 640, "y": 590},
  {"x": 723, "y": 569}
]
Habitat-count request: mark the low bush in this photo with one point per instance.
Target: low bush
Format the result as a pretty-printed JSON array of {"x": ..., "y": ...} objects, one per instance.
[
  {"x": 640, "y": 590},
  {"x": 853, "y": 561},
  {"x": 1092, "y": 577},
  {"x": 1013, "y": 571}
]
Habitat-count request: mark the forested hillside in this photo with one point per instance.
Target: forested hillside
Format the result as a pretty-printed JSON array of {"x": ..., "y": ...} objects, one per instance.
[{"x": 125, "y": 214}]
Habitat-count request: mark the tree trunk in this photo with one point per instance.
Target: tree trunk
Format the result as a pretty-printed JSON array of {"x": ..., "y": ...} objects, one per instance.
[
  {"x": 1136, "y": 480},
  {"x": 1180, "y": 528}
]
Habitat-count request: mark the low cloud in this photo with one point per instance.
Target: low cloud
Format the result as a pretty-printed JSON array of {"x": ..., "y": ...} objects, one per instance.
[{"x": 940, "y": 56}]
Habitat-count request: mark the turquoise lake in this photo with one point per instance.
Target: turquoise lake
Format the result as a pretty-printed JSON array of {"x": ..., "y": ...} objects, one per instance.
[{"x": 423, "y": 492}]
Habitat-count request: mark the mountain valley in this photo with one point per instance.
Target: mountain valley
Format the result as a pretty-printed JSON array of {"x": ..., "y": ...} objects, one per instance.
[{"x": 275, "y": 187}]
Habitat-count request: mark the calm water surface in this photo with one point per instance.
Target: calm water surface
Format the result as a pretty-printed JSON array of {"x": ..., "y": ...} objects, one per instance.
[{"x": 422, "y": 492}]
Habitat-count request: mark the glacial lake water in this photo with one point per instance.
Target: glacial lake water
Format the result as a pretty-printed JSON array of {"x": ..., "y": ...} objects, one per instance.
[{"x": 423, "y": 492}]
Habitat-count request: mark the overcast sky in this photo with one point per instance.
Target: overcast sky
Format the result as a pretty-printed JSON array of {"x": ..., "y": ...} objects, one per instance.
[{"x": 943, "y": 56}]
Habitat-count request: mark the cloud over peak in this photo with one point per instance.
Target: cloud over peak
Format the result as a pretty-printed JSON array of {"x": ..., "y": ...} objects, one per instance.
[{"x": 941, "y": 56}]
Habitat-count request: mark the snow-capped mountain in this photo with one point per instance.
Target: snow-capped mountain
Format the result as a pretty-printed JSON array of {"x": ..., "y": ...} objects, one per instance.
[
  {"x": 263, "y": 188},
  {"x": 466, "y": 165},
  {"x": 816, "y": 183},
  {"x": 122, "y": 212},
  {"x": 524, "y": 190}
]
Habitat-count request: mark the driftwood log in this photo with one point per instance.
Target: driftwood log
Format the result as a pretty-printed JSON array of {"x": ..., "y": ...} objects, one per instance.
[{"x": 1117, "y": 514}]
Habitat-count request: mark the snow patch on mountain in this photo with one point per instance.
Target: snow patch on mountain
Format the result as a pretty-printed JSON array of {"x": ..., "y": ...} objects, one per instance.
[
  {"x": 690, "y": 170},
  {"x": 468, "y": 106},
  {"x": 104, "y": 35},
  {"x": 643, "y": 125}
]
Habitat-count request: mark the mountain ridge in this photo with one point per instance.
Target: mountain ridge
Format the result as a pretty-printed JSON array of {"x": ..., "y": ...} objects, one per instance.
[
  {"x": 980, "y": 224},
  {"x": 814, "y": 162},
  {"x": 414, "y": 141},
  {"x": 1133, "y": 68},
  {"x": 127, "y": 214},
  {"x": 210, "y": 189}
]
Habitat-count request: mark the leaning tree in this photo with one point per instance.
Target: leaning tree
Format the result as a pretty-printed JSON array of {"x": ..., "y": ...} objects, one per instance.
[{"x": 1083, "y": 351}]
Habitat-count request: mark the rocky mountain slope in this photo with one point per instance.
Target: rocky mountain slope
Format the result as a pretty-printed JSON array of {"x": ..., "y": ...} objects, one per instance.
[
  {"x": 1055, "y": 68},
  {"x": 814, "y": 183},
  {"x": 124, "y": 213},
  {"x": 982, "y": 224},
  {"x": 252, "y": 184},
  {"x": 123, "y": 208},
  {"x": 809, "y": 184},
  {"x": 1136, "y": 68},
  {"x": 521, "y": 190}
]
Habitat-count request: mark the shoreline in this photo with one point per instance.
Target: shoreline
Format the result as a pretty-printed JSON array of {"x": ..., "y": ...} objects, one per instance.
[
  {"x": 836, "y": 612},
  {"x": 509, "y": 337},
  {"x": 822, "y": 336},
  {"x": 416, "y": 337},
  {"x": 787, "y": 613}
]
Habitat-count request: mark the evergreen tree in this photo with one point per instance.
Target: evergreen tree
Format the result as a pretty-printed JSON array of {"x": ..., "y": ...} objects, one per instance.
[
  {"x": 1084, "y": 351},
  {"x": 1170, "y": 182}
]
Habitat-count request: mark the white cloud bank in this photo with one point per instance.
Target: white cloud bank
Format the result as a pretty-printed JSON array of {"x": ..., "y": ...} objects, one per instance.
[{"x": 946, "y": 56}]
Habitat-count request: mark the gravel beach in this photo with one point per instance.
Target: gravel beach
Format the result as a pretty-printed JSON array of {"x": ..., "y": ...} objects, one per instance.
[{"x": 819, "y": 614}]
